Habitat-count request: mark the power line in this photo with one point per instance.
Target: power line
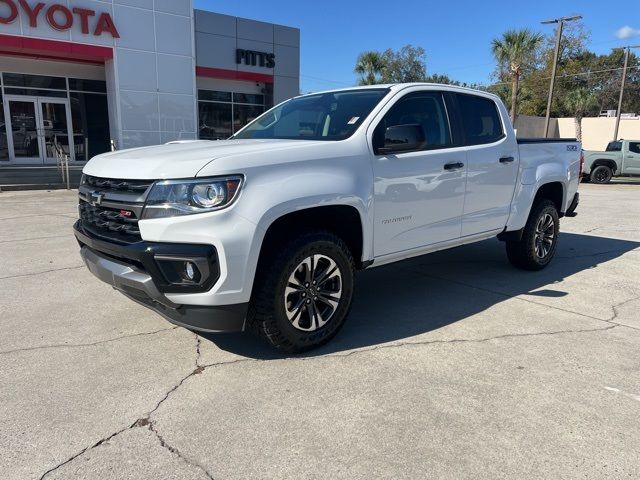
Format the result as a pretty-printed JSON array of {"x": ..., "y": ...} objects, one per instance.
[{"x": 566, "y": 75}]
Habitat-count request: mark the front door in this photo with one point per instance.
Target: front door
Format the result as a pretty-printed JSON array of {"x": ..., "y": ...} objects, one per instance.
[
  {"x": 36, "y": 127},
  {"x": 419, "y": 195}
]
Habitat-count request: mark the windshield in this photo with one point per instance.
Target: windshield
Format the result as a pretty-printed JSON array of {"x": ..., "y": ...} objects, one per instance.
[{"x": 326, "y": 116}]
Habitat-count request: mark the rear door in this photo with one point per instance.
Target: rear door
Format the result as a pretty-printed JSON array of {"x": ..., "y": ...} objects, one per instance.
[
  {"x": 632, "y": 159},
  {"x": 418, "y": 195},
  {"x": 492, "y": 164}
]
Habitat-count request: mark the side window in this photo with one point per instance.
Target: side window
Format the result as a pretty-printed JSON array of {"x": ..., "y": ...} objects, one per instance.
[
  {"x": 614, "y": 147},
  {"x": 480, "y": 119},
  {"x": 634, "y": 147},
  {"x": 426, "y": 109}
]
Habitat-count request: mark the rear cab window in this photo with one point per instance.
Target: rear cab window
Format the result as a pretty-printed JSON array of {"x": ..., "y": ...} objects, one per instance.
[
  {"x": 481, "y": 121},
  {"x": 614, "y": 147}
]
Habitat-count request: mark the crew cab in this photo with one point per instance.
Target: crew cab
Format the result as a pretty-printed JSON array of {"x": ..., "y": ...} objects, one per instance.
[
  {"x": 621, "y": 159},
  {"x": 263, "y": 232}
]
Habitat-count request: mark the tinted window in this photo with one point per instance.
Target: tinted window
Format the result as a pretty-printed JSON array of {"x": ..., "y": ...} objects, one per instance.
[
  {"x": 248, "y": 98},
  {"x": 422, "y": 108},
  {"x": 325, "y": 116},
  {"x": 87, "y": 85},
  {"x": 90, "y": 120},
  {"x": 480, "y": 119},
  {"x": 245, "y": 114},
  {"x": 4, "y": 149},
  {"x": 214, "y": 121},
  {"x": 213, "y": 96},
  {"x": 634, "y": 147},
  {"x": 614, "y": 147},
  {"x": 34, "y": 81}
]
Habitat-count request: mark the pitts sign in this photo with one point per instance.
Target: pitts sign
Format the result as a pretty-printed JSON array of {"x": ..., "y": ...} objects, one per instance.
[
  {"x": 60, "y": 17},
  {"x": 253, "y": 58}
]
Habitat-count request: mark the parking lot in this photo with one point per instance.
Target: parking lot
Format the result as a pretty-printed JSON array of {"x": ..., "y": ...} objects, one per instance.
[{"x": 453, "y": 365}]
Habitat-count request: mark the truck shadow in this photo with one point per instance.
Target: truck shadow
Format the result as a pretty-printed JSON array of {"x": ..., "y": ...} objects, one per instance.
[{"x": 419, "y": 295}]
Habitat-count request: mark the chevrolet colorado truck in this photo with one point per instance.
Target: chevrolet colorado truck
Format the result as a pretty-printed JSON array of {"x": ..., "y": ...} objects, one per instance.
[
  {"x": 263, "y": 232},
  {"x": 621, "y": 159}
]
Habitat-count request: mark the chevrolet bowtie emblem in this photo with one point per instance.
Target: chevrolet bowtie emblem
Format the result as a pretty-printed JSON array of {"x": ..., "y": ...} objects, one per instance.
[{"x": 95, "y": 199}]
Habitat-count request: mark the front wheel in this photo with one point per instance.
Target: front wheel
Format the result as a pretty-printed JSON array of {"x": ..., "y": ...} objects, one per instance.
[
  {"x": 539, "y": 239},
  {"x": 302, "y": 297}
]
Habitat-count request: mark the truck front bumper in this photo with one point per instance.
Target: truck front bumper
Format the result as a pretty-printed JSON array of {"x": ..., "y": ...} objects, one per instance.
[{"x": 135, "y": 270}]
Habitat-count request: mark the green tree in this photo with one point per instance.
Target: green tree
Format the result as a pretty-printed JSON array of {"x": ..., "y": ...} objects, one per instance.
[
  {"x": 515, "y": 51},
  {"x": 369, "y": 67},
  {"x": 441, "y": 78},
  {"x": 405, "y": 65},
  {"x": 580, "y": 102}
]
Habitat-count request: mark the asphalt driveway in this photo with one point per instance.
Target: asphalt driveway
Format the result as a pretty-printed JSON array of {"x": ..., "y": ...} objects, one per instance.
[{"x": 453, "y": 365}]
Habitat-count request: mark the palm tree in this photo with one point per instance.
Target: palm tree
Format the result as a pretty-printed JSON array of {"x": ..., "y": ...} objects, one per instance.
[
  {"x": 513, "y": 52},
  {"x": 369, "y": 66},
  {"x": 580, "y": 102}
]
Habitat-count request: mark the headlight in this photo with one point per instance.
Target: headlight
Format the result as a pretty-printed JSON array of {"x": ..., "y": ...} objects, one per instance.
[{"x": 170, "y": 198}]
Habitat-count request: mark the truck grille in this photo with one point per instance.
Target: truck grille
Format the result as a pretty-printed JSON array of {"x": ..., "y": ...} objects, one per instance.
[
  {"x": 120, "y": 225},
  {"x": 116, "y": 185}
]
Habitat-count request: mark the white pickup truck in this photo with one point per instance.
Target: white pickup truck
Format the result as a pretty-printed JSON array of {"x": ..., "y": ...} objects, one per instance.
[{"x": 264, "y": 231}]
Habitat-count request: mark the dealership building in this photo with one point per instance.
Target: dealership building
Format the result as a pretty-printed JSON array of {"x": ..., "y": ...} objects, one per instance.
[{"x": 82, "y": 77}]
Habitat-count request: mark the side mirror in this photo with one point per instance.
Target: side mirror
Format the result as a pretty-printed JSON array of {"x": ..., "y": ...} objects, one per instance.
[{"x": 403, "y": 138}]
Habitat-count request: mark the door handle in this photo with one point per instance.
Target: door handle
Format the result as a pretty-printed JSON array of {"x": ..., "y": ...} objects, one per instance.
[
  {"x": 507, "y": 160},
  {"x": 454, "y": 166}
]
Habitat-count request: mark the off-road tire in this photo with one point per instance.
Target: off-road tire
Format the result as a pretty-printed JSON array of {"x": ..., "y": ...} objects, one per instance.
[
  {"x": 522, "y": 254},
  {"x": 267, "y": 314},
  {"x": 601, "y": 174}
]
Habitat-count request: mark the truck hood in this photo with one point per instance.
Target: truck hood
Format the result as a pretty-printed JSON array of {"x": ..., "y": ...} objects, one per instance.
[{"x": 180, "y": 159}]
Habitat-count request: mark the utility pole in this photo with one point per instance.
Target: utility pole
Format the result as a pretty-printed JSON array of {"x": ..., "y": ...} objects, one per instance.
[
  {"x": 627, "y": 51},
  {"x": 560, "y": 22}
]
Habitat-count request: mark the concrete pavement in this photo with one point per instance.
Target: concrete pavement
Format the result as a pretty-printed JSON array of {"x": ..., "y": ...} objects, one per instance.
[{"x": 453, "y": 365}]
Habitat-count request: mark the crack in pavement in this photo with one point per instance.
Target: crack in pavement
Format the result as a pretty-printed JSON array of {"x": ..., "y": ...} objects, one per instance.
[
  {"x": 462, "y": 341},
  {"x": 177, "y": 452},
  {"x": 146, "y": 420},
  {"x": 82, "y": 345},
  {"x": 598, "y": 254},
  {"x": 35, "y": 274},
  {"x": 83, "y": 451},
  {"x": 518, "y": 297}
]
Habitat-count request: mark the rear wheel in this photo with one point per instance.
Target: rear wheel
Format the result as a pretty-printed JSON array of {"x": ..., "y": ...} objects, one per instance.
[
  {"x": 302, "y": 297},
  {"x": 539, "y": 239},
  {"x": 601, "y": 174}
]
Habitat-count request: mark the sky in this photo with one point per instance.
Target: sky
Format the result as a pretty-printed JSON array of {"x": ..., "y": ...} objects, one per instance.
[{"x": 456, "y": 34}]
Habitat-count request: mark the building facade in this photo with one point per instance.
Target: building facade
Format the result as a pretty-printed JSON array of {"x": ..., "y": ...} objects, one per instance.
[{"x": 83, "y": 76}]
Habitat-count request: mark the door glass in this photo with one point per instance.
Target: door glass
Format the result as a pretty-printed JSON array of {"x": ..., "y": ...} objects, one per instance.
[
  {"x": 4, "y": 147},
  {"x": 480, "y": 118},
  {"x": 56, "y": 130},
  {"x": 634, "y": 147},
  {"x": 24, "y": 130},
  {"x": 90, "y": 121},
  {"x": 425, "y": 109}
]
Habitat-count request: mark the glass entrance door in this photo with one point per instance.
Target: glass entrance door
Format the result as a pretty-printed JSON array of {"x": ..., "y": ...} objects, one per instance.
[
  {"x": 37, "y": 126},
  {"x": 23, "y": 131}
]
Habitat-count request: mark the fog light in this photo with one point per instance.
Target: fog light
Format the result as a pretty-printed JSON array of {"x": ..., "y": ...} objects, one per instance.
[{"x": 190, "y": 271}]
